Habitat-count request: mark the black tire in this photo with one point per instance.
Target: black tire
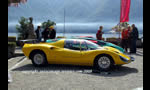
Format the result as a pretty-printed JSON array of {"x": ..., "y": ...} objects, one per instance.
[
  {"x": 38, "y": 58},
  {"x": 103, "y": 62}
]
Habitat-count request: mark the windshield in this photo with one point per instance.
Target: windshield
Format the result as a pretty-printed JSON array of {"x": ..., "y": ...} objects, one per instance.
[{"x": 75, "y": 44}]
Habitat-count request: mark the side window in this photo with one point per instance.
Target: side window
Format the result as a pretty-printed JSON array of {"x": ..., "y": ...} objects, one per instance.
[
  {"x": 72, "y": 44},
  {"x": 68, "y": 44},
  {"x": 83, "y": 46},
  {"x": 76, "y": 45}
]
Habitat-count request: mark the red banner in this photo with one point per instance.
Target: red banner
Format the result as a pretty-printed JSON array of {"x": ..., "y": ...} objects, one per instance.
[{"x": 125, "y": 9}]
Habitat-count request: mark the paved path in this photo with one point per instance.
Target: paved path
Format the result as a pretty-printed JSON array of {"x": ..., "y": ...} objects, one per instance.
[{"x": 67, "y": 77}]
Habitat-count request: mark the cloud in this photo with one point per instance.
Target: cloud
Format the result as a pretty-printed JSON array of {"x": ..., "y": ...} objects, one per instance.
[{"x": 78, "y": 13}]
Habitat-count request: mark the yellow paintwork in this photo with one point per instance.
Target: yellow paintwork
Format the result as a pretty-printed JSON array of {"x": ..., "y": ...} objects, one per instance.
[{"x": 61, "y": 55}]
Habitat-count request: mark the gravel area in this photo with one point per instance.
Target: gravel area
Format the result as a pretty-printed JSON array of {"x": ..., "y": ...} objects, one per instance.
[{"x": 68, "y": 77}]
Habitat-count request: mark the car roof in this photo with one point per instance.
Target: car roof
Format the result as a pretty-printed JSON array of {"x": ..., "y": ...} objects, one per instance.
[{"x": 76, "y": 39}]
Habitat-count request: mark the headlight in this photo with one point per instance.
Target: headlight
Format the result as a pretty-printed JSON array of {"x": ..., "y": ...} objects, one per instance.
[{"x": 124, "y": 59}]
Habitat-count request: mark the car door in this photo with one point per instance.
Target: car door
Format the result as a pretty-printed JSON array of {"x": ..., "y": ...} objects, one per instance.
[
  {"x": 71, "y": 53},
  {"x": 88, "y": 52}
]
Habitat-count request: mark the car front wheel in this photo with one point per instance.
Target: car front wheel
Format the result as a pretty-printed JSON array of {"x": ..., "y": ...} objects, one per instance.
[
  {"x": 103, "y": 62},
  {"x": 39, "y": 59}
]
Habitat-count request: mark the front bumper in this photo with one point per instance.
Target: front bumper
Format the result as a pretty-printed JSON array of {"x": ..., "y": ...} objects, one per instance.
[{"x": 131, "y": 59}]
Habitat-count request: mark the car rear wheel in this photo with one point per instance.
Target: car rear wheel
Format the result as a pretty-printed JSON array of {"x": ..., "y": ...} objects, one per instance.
[
  {"x": 39, "y": 59},
  {"x": 103, "y": 62}
]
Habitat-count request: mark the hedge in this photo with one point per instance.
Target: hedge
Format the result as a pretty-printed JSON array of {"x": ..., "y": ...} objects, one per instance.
[
  {"x": 11, "y": 39},
  {"x": 11, "y": 46}
]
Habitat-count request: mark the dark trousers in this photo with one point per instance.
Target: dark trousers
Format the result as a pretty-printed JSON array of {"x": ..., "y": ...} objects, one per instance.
[
  {"x": 133, "y": 46},
  {"x": 124, "y": 44}
]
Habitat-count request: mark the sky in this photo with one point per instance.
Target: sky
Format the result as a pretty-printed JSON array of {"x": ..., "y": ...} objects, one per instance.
[{"x": 80, "y": 15}]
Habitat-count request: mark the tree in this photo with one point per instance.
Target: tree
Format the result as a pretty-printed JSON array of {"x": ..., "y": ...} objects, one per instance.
[
  {"x": 23, "y": 28},
  {"x": 48, "y": 24}
]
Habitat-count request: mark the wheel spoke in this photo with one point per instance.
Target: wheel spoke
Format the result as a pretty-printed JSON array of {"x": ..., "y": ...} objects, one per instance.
[
  {"x": 38, "y": 59},
  {"x": 104, "y": 62}
]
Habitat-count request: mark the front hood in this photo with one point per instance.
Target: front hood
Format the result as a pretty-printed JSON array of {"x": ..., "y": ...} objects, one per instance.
[
  {"x": 108, "y": 48},
  {"x": 101, "y": 48},
  {"x": 112, "y": 49}
]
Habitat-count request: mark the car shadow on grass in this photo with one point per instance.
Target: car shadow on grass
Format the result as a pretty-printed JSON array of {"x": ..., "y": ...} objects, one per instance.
[{"x": 115, "y": 71}]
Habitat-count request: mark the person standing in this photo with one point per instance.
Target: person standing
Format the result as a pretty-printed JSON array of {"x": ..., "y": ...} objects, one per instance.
[
  {"x": 133, "y": 36},
  {"x": 31, "y": 33},
  {"x": 124, "y": 39},
  {"x": 46, "y": 34},
  {"x": 129, "y": 38},
  {"x": 52, "y": 32},
  {"x": 38, "y": 33},
  {"x": 99, "y": 33}
]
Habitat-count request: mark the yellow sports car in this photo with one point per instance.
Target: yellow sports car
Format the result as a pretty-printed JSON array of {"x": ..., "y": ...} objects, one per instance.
[{"x": 75, "y": 52}]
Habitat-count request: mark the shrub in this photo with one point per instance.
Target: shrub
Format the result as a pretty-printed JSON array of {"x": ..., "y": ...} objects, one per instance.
[
  {"x": 11, "y": 49},
  {"x": 11, "y": 38}
]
